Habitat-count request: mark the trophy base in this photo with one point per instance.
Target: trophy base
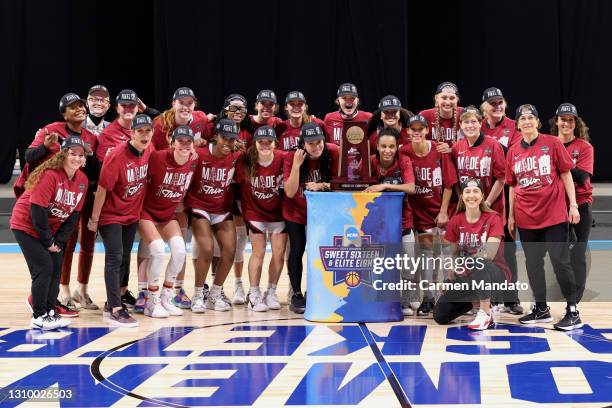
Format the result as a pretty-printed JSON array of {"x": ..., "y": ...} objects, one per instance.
[{"x": 344, "y": 184}]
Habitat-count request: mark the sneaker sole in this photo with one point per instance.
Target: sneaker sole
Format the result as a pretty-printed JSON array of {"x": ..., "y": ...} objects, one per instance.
[
  {"x": 297, "y": 310},
  {"x": 239, "y": 302},
  {"x": 119, "y": 324},
  {"x": 69, "y": 315},
  {"x": 568, "y": 328},
  {"x": 547, "y": 320}
]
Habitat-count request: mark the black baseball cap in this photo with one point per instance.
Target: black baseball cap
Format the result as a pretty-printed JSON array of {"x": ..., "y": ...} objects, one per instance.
[
  {"x": 566, "y": 109},
  {"x": 347, "y": 89},
  {"x": 418, "y": 119},
  {"x": 73, "y": 141},
  {"x": 182, "y": 131},
  {"x": 264, "y": 132},
  {"x": 141, "y": 120},
  {"x": 99, "y": 88},
  {"x": 311, "y": 132},
  {"x": 470, "y": 110},
  {"x": 68, "y": 100},
  {"x": 524, "y": 109},
  {"x": 445, "y": 86},
  {"x": 182, "y": 92},
  {"x": 492, "y": 93},
  {"x": 295, "y": 96},
  {"x": 471, "y": 182},
  {"x": 234, "y": 97},
  {"x": 266, "y": 95},
  {"x": 127, "y": 96},
  {"x": 390, "y": 102},
  {"x": 227, "y": 128}
]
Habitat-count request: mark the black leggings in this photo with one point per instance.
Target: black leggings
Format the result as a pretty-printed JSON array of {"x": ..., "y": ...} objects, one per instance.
[
  {"x": 578, "y": 251},
  {"x": 297, "y": 244},
  {"x": 454, "y": 303},
  {"x": 552, "y": 239},
  {"x": 118, "y": 240},
  {"x": 45, "y": 268}
]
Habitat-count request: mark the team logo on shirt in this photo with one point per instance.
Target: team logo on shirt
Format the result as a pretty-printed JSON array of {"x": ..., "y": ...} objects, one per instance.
[
  {"x": 64, "y": 203},
  {"x": 266, "y": 187}
]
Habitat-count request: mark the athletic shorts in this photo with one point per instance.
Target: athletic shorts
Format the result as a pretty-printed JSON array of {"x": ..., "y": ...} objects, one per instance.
[
  {"x": 146, "y": 215},
  {"x": 259, "y": 227},
  {"x": 212, "y": 218}
]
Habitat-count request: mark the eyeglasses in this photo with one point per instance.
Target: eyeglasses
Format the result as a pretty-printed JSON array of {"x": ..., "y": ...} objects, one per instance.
[
  {"x": 97, "y": 99},
  {"x": 234, "y": 108}
]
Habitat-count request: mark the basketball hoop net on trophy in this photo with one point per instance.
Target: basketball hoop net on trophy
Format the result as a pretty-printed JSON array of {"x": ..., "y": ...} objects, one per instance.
[{"x": 354, "y": 169}]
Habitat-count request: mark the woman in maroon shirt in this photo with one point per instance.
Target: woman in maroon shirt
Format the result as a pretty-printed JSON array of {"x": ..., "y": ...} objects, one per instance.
[
  {"x": 42, "y": 220},
  {"x": 538, "y": 172},
  {"x": 260, "y": 174},
  {"x": 574, "y": 134},
  {"x": 443, "y": 118},
  {"x": 389, "y": 114}
]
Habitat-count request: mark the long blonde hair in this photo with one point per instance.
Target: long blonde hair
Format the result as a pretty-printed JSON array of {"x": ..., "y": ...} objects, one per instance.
[
  {"x": 440, "y": 137},
  {"x": 55, "y": 162}
]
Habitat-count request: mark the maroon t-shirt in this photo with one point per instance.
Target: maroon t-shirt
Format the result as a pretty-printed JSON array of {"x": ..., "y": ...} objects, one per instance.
[
  {"x": 124, "y": 176},
  {"x": 484, "y": 161},
  {"x": 272, "y": 122},
  {"x": 448, "y": 127},
  {"x": 505, "y": 132},
  {"x": 210, "y": 189},
  {"x": 433, "y": 173},
  {"x": 534, "y": 171},
  {"x": 55, "y": 191},
  {"x": 581, "y": 153},
  {"x": 198, "y": 125},
  {"x": 334, "y": 124},
  {"x": 400, "y": 172},
  {"x": 472, "y": 238},
  {"x": 288, "y": 135},
  {"x": 260, "y": 195},
  {"x": 294, "y": 209},
  {"x": 168, "y": 183},
  {"x": 112, "y": 135}
]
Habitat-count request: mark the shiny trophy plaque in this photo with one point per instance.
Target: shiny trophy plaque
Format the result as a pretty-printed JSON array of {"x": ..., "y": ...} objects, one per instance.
[{"x": 354, "y": 168}]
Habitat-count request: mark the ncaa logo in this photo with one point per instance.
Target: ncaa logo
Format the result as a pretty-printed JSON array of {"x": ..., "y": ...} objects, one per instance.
[{"x": 351, "y": 234}]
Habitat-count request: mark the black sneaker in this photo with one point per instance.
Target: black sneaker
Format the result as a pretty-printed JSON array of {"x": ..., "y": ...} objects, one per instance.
[
  {"x": 425, "y": 308},
  {"x": 513, "y": 308},
  {"x": 128, "y": 299},
  {"x": 570, "y": 321},
  {"x": 298, "y": 303},
  {"x": 537, "y": 316}
]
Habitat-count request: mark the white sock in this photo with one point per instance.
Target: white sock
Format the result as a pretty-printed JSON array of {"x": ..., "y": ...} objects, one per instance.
[{"x": 178, "y": 283}]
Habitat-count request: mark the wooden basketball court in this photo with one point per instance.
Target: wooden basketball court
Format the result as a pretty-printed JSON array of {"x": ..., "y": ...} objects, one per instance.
[{"x": 273, "y": 359}]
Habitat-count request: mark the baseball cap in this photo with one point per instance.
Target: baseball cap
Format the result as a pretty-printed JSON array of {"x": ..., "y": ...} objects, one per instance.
[
  {"x": 418, "y": 119},
  {"x": 227, "y": 128},
  {"x": 266, "y": 95},
  {"x": 295, "y": 96},
  {"x": 182, "y": 92},
  {"x": 566, "y": 109},
  {"x": 99, "y": 88},
  {"x": 73, "y": 141},
  {"x": 141, "y": 120},
  {"x": 447, "y": 86},
  {"x": 311, "y": 132},
  {"x": 471, "y": 182},
  {"x": 127, "y": 96},
  {"x": 234, "y": 97},
  {"x": 182, "y": 131},
  {"x": 491, "y": 93},
  {"x": 470, "y": 110},
  {"x": 264, "y": 132},
  {"x": 524, "y": 109},
  {"x": 389, "y": 102},
  {"x": 68, "y": 100},
  {"x": 347, "y": 89}
]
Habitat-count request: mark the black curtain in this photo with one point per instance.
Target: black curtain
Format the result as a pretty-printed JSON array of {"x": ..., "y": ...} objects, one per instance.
[{"x": 544, "y": 52}]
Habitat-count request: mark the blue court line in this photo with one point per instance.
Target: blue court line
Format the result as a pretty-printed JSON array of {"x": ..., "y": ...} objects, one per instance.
[
  {"x": 13, "y": 248},
  {"x": 384, "y": 366}
]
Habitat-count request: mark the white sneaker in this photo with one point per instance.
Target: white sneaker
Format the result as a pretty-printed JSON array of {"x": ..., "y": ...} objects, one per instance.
[
  {"x": 44, "y": 322},
  {"x": 197, "y": 303},
  {"x": 407, "y": 310},
  {"x": 153, "y": 308},
  {"x": 256, "y": 301},
  {"x": 59, "y": 320},
  {"x": 482, "y": 321},
  {"x": 225, "y": 298},
  {"x": 216, "y": 302},
  {"x": 272, "y": 299},
  {"x": 239, "y": 296},
  {"x": 166, "y": 297}
]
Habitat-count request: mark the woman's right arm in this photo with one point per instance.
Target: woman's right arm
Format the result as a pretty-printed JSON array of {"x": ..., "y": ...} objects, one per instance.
[{"x": 92, "y": 224}]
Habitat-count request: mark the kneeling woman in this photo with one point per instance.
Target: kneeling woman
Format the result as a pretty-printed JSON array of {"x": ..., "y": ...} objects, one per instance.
[
  {"x": 260, "y": 174},
  {"x": 170, "y": 172},
  {"x": 43, "y": 218},
  {"x": 474, "y": 231},
  {"x": 209, "y": 203}
]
